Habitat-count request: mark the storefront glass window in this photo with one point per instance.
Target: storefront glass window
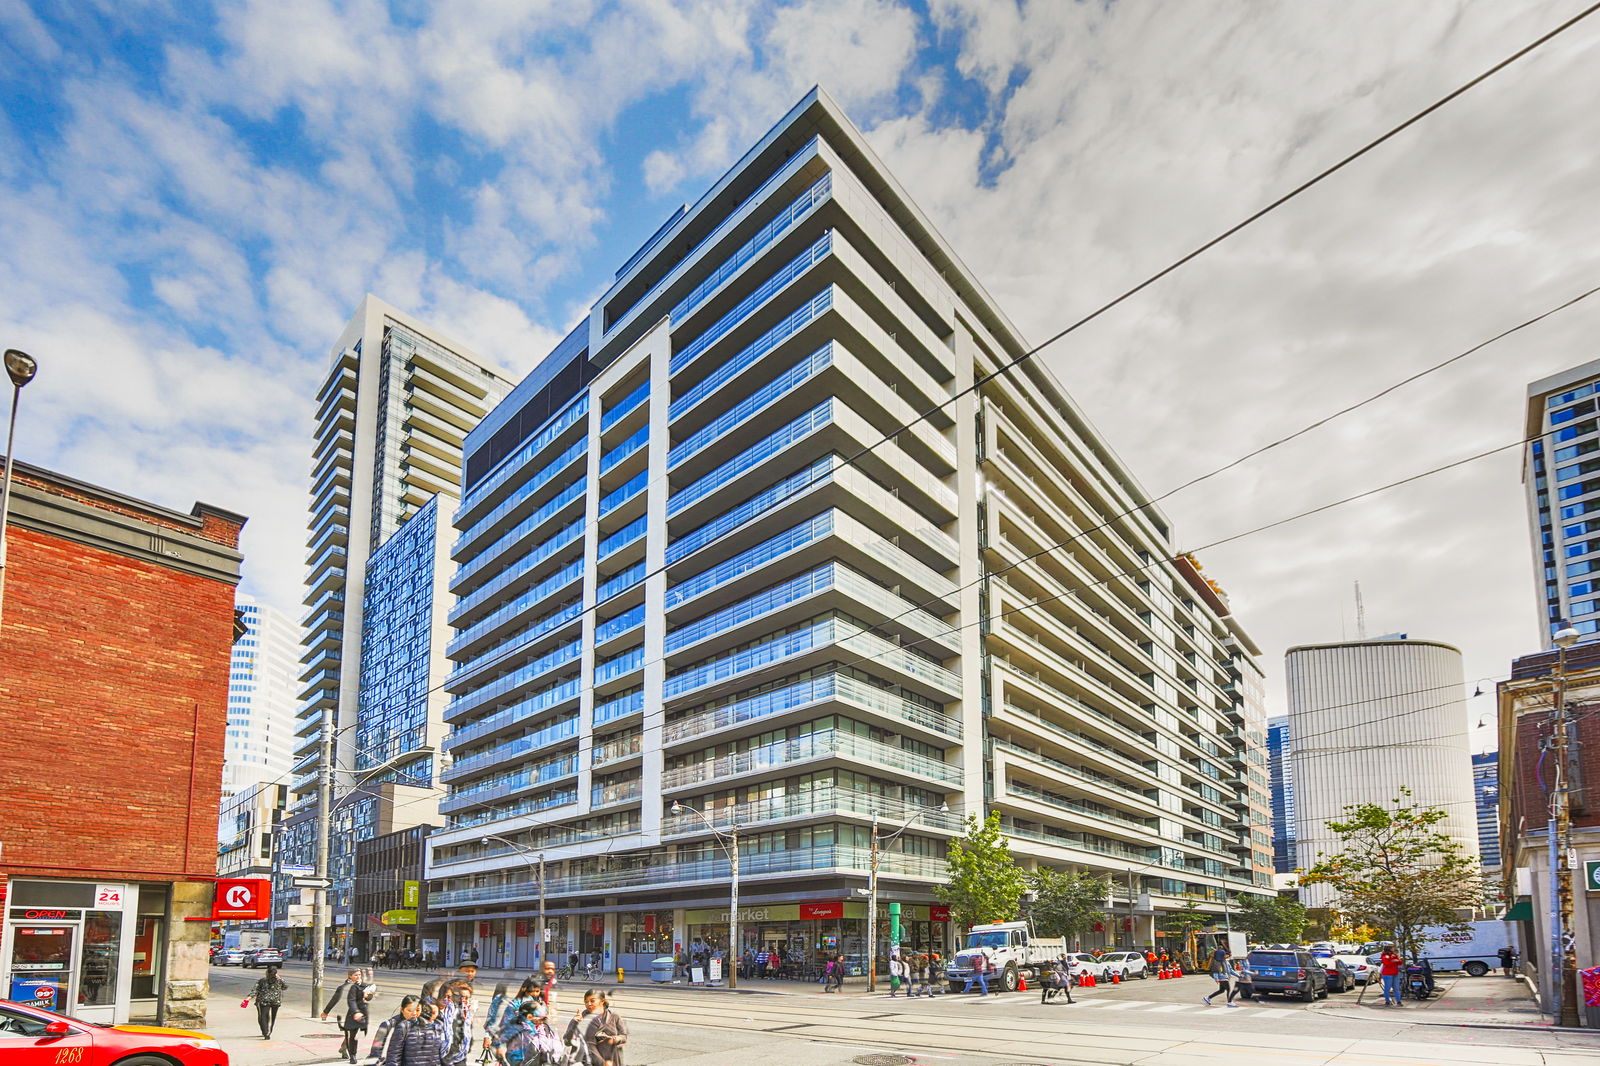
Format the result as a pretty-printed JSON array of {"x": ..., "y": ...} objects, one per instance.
[{"x": 102, "y": 936}]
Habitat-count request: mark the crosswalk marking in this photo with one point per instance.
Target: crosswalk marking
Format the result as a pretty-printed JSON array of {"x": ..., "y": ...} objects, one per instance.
[{"x": 1129, "y": 1004}]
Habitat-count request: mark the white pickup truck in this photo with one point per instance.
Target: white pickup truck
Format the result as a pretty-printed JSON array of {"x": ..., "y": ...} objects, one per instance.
[{"x": 1010, "y": 948}]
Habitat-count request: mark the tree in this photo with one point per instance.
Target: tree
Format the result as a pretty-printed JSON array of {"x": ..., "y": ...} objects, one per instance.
[
  {"x": 1189, "y": 920},
  {"x": 1068, "y": 903},
  {"x": 1270, "y": 919},
  {"x": 1396, "y": 871},
  {"x": 984, "y": 884}
]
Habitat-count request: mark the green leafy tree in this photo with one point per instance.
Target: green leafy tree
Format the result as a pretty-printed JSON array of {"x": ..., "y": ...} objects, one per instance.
[
  {"x": 1271, "y": 919},
  {"x": 984, "y": 883},
  {"x": 1397, "y": 871},
  {"x": 1067, "y": 903}
]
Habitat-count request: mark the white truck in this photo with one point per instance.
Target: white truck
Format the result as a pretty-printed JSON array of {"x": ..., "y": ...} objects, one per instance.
[
  {"x": 1474, "y": 948},
  {"x": 1010, "y": 947},
  {"x": 245, "y": 939}
]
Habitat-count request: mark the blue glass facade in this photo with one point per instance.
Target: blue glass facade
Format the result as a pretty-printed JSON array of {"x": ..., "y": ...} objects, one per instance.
[
  {"x": 1486, "y": 793},
  {"x": 395, "y": 645},
  {"x": 1283, "y": 829}
]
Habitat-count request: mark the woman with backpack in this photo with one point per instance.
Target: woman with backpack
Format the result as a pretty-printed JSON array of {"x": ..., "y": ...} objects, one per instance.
[
  {"x": 414, "y": 1036},
  {"x": 598, "y": 1033},
  {"x": 268, "y": 997}
]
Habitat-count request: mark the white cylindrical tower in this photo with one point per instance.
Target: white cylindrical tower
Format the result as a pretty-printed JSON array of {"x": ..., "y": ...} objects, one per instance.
[{"x": 1366, "y": 718}]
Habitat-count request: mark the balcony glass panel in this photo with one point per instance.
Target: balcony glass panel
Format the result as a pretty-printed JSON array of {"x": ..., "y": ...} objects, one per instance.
[
  {"x": 624, "y": 492},
  {"x": 491, "y": 588},
  {"x": 621, "y": 538},
  {"x": 742, "y": 310},
  {"x": 621, "y": 792},
  {"x": 807, "y": 532},
  {"x": 753, "y": 456},
  {"x": 533, "y": 485},
  {"x": 559, "y": 730},
  {"x": 495, "y": 812},
  {"x": 762, "y": 501},
  {"x": 509, "y": 539},
  {"x": 823, "y": 744},
  {"x": 498, "y": 652},
  {"x": 620, "y": 707},
  {"x": 556, "y": 659},
  {"x": 807, "y": 691},
  {"x": 630, "y": 444},
  {"x": 531, "y": 707},
  {"x": 752, "y": 353},
  {"x": 745, "y": 409},
  {"x": 514, "y": 463},
  {"x": 618, "y": 665},
  {"x": 623, "y": 406},
  {"x": 620, "y": 582},
  {"x": 615, "y": 627},
  {"x": 544, "y": 589}
]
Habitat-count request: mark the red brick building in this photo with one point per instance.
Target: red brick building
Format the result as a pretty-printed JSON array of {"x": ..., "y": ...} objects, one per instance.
[{"x": 115, "y": 645}]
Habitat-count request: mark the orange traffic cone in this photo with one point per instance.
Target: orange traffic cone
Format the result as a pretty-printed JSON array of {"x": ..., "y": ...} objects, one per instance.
[
  {"x": 1116, "y": 977},
  {"x": 1022, "y": 982}
]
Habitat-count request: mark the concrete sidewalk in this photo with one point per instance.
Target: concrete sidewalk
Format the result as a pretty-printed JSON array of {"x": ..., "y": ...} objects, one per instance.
[
  {"x": 297, "y": 1039},
  {"x": 1482, "y": 1002}
]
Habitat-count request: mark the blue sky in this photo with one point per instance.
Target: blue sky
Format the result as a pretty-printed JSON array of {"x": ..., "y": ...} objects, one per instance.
[{"x": 195, "y": 198}]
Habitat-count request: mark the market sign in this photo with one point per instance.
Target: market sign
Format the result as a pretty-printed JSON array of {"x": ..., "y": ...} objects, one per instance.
[{"x": 399, "y": 917}]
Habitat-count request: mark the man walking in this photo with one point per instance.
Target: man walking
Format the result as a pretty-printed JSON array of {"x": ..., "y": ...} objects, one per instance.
[
  {"x": 1222, "y": 973},
  {"x": 1508, "y": 960},
  {"x": 979, "y": 974}
]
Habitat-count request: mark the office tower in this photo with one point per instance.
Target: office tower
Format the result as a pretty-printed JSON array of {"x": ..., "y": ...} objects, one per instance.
[
  {"x": 1561, "y": 475},
  {"x": 1368, "y": 718},
  {"x": 391, "y": 417},
  {"x": 261, "y": 699},
  {"x": 693, "y": 570},
  {"x": 1281, "y": 771},
  {"x": 1486, "y": 793}
]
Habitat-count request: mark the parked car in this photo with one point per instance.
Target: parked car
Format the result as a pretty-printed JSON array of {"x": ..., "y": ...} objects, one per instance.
[
  {"x": 31, "y": 1034},
  {"x": 1081, "y": 962},
  {"x": 1290, "y": 972},
  {"x": 1341, "y": 978},
  {"x": 1130, "y": 963},
  {"x": 1361, "y": 971},
  {"x": 231, "y": 957},
  {"x": 264, "y": 957}
]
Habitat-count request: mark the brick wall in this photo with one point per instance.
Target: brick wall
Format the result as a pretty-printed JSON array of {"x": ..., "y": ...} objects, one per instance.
[
  {"x": 1529, "y": 799},
  {"x": 115, "y": 691}
]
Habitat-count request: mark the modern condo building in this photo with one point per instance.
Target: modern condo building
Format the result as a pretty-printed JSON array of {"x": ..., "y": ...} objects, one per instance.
[
  {"x": 1561, "y": 474},
  {"x": 763, "y": 537},
  {"x": 392, "y": 415}
]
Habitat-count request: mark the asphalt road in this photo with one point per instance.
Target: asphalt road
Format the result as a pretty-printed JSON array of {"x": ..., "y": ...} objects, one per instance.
[{"x": 1150, "y": 1023}]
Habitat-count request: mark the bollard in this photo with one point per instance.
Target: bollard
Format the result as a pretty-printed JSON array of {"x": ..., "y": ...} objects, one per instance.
[{"x": 619, "y": 975}]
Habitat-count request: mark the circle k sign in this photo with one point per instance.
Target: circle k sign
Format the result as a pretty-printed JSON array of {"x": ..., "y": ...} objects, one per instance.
[{"x": 247, "y": 899}]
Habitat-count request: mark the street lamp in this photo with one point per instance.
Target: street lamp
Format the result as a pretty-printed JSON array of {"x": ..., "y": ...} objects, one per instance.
[
  {"x": 872, "y": 888},
  {"x": 20, "y": 367},
  {"x": 325, "y": 806},
  {"x": 729, "y": 842},
  {"x": 1563, "y": 954},
  {"x": 528, "y": 854}
]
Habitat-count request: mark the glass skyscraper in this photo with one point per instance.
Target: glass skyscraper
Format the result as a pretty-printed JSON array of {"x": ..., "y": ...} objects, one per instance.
[
  {"x": 1561, "y": 474},
  {"x": 1486, "y": 791},
  {"x": 1280, "y": 762},
  {"x": 766, "y": 536}
]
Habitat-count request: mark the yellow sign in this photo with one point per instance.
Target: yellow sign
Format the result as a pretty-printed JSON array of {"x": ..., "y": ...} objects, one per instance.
[
  {"x": 411, "y": 894},
  {"x": 400, "y": 917}
]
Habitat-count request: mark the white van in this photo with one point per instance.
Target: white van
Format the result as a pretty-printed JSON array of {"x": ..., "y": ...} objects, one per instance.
[{"x": 1475, "y": 949}]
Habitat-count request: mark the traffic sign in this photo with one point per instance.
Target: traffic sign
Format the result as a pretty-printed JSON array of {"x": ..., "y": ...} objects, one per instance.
[
  {"x": 306, "y": 869},
  {"x": 312, "y": 882}
]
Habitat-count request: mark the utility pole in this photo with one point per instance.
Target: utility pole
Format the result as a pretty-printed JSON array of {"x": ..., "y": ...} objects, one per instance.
[
  {"x": 319, "y": 895},
  {"x": 543, "y": 932},
  {"x": 872, "y": 912},
  {"x": 734, "y": 953},
  {"x": 1563, "y": 953}
]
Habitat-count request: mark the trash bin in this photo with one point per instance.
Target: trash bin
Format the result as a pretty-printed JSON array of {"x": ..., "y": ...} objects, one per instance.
[{"x": 661, "y": 970}]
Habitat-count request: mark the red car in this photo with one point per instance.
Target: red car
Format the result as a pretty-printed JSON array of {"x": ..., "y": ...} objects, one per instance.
[{"x": 33, "y": 1037}]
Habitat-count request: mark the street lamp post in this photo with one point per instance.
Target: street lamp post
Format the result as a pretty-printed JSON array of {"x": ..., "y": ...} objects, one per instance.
[
  {"x": 1563, "y": 953},
  {"x": 20, "y": 368},
  {"x": 729, "y": 842},
  {"x": 539, "y": 940},
  {"x": 872, "y": 888}
]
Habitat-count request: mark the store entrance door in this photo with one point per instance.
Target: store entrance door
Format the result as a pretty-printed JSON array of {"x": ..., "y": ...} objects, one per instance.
[{"x": 44, "y": 965}]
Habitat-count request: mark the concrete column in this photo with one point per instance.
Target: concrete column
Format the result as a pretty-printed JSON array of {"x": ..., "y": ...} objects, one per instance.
[{"x": 188, "y": 955}]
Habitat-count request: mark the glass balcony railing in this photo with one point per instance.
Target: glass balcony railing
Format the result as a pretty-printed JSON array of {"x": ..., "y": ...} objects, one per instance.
[
  {"x": 808, "y": 532},
  {"x": 823, "y": 744},
  {"x": 753, "y": 352},
  {"x": 498, "y": 653},
  {"x": 816, "y": 802},
  {"x": 518, "y": 461},
  {"x": 615, "y": 627},
  {"x": 809, "y": 692},
  {"x": 622, "y": 792},
  {"x": 551, "y": 471},
  {"x": 779, "y": 281},
  {"x": 620, "y": 582},
  {"x": 752, "y": 457},
  {"x": 1065, "y": 803},
  {"x": 534, "y": 705},
  {"x": 513, "y": 536},
  {"x": 519, "y": 606},
  {"x": 483, "y": 813},
  {"x": 785, "y": 383},
  {"x": 632, "y": 443},
  {"x": 501, "y": 785},
  {"x": 821, "y": 633},
  {"x": 713, "y": 870},
  {"x": 621, "y": 538},
  {"x": 560, "y": 730},
  {"x": 531, "y": 561},
  {"x": 619, "y": 410},
  {"x": 781, "y": 224},
  {"x": 624, "y": 492},
  {"x": 523, "y": 675},
  {"x": 619, "y": 665},
  {"x": 620, "y": 707},
  {"x": 761, "y": 502},
  {"x": 618, "y": 749}
]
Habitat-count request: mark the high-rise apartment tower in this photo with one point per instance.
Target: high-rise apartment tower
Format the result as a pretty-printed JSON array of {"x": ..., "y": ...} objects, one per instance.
[
  {"x": 261, "y": 699},
  {"x": 392, "y": 415},
  {"x": 1561, "y": 474},
  {"x": 751, "y": 541}
]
